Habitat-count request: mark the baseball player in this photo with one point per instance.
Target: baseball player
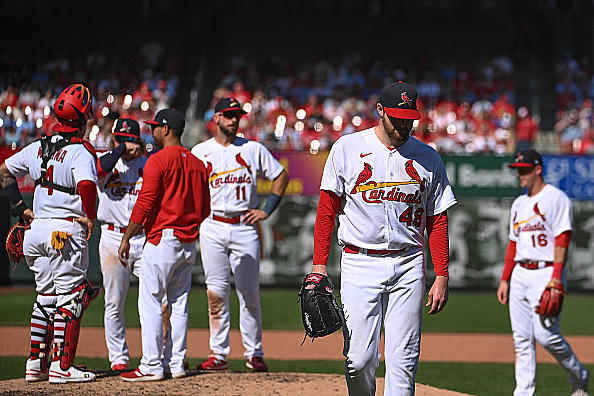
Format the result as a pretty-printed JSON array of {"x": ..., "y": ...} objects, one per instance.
[
  {"x": 387, "y": 188},
  {"x": 172, "y": 203},
  {"x": 539, "y": 235},
  {"x": 120, "y": 180},
  {"x": 229, "y": 241},
  {"x": 56, "y": 247}
]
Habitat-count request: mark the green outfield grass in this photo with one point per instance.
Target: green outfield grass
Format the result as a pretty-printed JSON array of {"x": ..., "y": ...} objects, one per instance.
[
  {"x": 472, "y": 378},
  {"x": 466, "y": 312}
]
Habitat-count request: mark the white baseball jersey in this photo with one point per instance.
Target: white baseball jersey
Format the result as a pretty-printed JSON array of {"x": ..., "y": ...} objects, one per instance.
[
  {"x": 232, "y": 173},
  {"x": 68, "y": 166},
  {"x": 119, "y": 190},
  {"x": 537, "y": 220},
  {"x": 386, "y": 194}
]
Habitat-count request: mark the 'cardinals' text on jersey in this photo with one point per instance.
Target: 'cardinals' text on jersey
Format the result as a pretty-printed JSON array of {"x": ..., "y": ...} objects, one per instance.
[
  {"x": 537, "y": 220},
  {"x": 233, "y": 171},
  {"x": 386, "y": 194},
  {"x": 118, "y": 191}
]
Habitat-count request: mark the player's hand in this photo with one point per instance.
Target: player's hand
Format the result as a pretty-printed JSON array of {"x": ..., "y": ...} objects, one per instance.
[
  {"x": 503, "y": 292},
  {"x": 133, "y": 149},
  {"x": 253, "y": 216},
  {"x": 124, "y": 251},
  {"x": 438, "y": 295},
  {"x": 88, "y": 224},
  {"x": 318, "y": 269},
  {"x": 28, "y": 215}
]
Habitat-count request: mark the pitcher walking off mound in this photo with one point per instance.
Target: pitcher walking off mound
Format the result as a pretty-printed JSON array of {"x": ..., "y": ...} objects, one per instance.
[{"x": 387, "y": 188}]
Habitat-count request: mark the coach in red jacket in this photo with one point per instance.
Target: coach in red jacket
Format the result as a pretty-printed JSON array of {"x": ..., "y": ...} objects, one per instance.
[{"x": 172, "y": 203}]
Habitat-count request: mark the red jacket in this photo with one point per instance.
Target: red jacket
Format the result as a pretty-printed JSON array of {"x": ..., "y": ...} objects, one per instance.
[{"x": 174, "y": 195}]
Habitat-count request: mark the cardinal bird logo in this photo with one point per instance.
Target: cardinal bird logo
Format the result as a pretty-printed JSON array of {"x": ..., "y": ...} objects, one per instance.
[
  {"x": 208, "y": 168},
  {"x": 115, "y": 176},
  {"x": 140, "y": 172},
  {"x": 537, "y": 211},
  {"x": 363, "y": 176},
  {"x": 412, "y": 172},
  {"x": 405, "y": 99},
  {"x": 242, "y": 162}
]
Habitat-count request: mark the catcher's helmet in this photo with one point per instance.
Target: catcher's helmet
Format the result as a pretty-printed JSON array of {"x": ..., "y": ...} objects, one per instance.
[{"x": 73, "y": 107}]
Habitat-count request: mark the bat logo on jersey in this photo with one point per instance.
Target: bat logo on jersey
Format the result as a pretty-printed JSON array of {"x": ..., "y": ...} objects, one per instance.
[
  {"x": 523, "y": 226},
  {"x": 376, "y": 190},
  {"x": 405, "y": 99},
  {"x": 216, "y": 181}
]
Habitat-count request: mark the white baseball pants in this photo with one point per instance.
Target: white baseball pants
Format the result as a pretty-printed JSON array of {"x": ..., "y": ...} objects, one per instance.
[
  {"x": 527, "y": 327},
  {"x": 56, "y": 271},
  {"x": 225, "y": 249},
  {"x": 386, "y": 290},
  {"x": 116, "y": 281},
  {"x": 166, "y": 275}
]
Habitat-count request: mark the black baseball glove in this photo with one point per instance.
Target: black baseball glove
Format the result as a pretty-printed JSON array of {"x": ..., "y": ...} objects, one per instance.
[
  {"x": 320, "y": 313},
  {"x": 14, "y": 241}
]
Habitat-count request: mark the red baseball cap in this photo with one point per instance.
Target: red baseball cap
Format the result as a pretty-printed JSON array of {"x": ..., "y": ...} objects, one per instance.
[{"x": 400, "y": 101}]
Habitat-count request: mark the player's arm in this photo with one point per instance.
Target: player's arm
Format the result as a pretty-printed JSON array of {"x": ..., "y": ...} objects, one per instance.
[
  {"x": 10, "y": 189},
  {"x": 437, "y": 230},
  {"x": 151, "y": 191},
  {"x": 107, "y": 162},
  {"x": 503, "y": 289},
  {"x": 328, "y": 206},
  {"x": 279, "y": 185},
  {"x": 560, "y": 254}
]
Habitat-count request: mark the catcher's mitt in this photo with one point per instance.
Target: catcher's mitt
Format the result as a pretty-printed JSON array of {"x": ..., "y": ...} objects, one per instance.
[
  {"x": 319, "y": 310},
  {"x": 14, "y": 241},
  {"x": 551, "y": 299}
]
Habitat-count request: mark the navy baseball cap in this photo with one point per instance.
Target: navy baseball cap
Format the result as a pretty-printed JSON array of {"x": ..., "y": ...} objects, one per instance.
[
  {"x": 171, "y": 117},
  {"x": 126, "y": 129},
  {"x": 229, "y": 104},
  {"x": 527, "y": 159},
  {"x": 400, "y": 101}
]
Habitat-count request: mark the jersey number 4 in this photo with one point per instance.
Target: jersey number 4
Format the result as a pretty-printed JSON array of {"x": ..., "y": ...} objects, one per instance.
[
  {"x": 410, "y": 218},
  {"x": 49, "y": 176}
]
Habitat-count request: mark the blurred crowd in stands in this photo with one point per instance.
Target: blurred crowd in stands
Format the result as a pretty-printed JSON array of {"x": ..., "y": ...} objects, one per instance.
[
  {"x": 136, "y": 86},
  {"x": 574, "y": 92},
  {"x": 466, "y": 109}
]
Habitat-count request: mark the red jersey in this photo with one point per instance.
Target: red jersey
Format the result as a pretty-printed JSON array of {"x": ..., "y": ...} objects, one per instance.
[{"x": 174, "y": 195}]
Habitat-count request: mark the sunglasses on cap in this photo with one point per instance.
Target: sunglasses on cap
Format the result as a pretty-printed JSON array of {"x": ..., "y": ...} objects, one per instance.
[
  {"x": 122, "y": 139},
  {"x": 232, "y": 114}
]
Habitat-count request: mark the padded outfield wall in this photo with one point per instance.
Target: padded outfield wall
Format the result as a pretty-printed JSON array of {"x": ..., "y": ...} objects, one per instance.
[{"x": 485, "y": 188}]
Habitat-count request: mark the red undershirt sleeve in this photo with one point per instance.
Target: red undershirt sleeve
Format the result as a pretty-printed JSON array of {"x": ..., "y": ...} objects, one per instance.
[
  {"x": 509, "y": 265},
  {"x": 437, "y": 230},
  {"x": 325, "y": 221},
  {"x": 561, "y": 240},
  {"x": 88, "y": 195},
  {"x": 149, "y": 193}
]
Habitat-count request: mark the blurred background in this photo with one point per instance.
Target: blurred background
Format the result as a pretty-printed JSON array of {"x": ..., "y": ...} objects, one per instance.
[{"x": 494, "y": 77}]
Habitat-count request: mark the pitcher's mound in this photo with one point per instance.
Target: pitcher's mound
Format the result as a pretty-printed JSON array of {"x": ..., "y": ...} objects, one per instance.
[{"x": 198, "y": 383}]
